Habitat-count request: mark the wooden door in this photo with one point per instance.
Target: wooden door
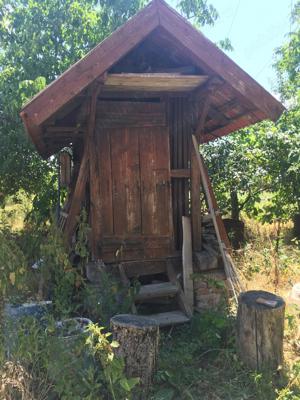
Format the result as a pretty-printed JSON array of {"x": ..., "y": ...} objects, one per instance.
[{"x": 134, "y": 179}]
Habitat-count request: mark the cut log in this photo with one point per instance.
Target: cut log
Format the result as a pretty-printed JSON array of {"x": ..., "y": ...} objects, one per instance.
[
  {"x": 138, "y": 338},
  {"x": 260, "y": 325}
]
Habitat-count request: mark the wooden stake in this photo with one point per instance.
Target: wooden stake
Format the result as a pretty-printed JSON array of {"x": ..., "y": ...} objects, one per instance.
[
  {"x": 228, "y": 265},
  {"x": 79, "y": 191},
  {"x": 187, "y": 261}
]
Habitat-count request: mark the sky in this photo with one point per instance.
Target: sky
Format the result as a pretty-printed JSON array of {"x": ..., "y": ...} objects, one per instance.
[{"x": 256, "y": 28}]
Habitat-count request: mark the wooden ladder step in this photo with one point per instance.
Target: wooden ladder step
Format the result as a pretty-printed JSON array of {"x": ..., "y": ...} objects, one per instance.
[
  {"x": 156, "y": 290},
  {"x": 169, "y": 318}
]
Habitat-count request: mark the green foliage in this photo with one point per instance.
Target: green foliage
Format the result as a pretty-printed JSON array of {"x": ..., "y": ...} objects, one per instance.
[
  {"x": 107, "y": 298},
  {"x": 288, "y": 61},
  {"x": 199, "y": 11},
  {"x": 113, "y": 367},
  {"x": 13, "y": 268},
  {"x": 81, "y": 245},
  {"x": 84, "y": 368},
  {"x": 234, "y": 164},
  {"x": 257, "y": 169},
  {"x": 60, "y": 368},
  {"x": 59, "y": 276}
]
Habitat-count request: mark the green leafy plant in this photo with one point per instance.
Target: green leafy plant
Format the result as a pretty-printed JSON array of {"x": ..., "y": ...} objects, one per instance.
[
  {"x": 113, "y": 367},
  {"x": 61, "y": 279},
  {"x": 107, "y": 298},
  {"x": 13, "y": 268}
]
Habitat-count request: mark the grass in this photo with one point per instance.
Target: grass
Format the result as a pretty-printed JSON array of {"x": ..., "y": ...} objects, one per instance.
[
  {"x": 200, "y": 360},
  {"x": 15, "y": 211}
]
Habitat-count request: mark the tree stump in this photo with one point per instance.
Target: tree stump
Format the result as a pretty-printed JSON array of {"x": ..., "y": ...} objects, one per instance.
[
  {"x": 138, "y": 338},
  {"x": 260, "y": 325}
]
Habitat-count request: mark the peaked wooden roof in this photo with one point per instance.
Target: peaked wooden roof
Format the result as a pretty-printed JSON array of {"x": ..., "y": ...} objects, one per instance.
[{"x": 156, "y": 14}]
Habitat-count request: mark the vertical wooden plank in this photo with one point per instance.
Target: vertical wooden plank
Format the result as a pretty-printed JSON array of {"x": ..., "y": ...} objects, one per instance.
[
  {"x": 118, "y": 154},
  {"x": 126, "y": 181},
  {"x": 155, "y": 177},
  {"x": 195, "y": 203},
  {"x": 162, "y": 179},
  {"x": 147, "y": 165},
  {"x": 95, "y": 197},
  {"x": 133, "y": 197},
  {"x": 187, "y": 158},
  {"x": 187, "y": 261},
  {"x": 77, "y": 198},
  {"x": 105, "y": 180}
]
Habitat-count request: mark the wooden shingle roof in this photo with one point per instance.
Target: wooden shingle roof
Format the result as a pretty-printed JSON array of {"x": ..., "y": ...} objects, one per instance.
[{"x": 155, "y": 16}]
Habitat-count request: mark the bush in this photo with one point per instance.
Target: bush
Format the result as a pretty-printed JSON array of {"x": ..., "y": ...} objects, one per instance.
[{"x": 42, "y": 365}]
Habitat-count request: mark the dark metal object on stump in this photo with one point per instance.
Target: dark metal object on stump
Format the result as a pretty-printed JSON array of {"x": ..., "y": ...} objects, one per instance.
[
  {"x": 260, "y": 326},
  {"x": 138, "y": 338}
]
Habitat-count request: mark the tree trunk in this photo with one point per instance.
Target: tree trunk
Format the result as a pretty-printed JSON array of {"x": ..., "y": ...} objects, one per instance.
[
  {"x": 138, "y": 338},
  {"x": 260, "y": 325},
  {"x": 235, "y": 210}
]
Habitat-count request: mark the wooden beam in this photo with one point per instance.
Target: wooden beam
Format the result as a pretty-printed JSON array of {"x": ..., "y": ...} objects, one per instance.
[
  {"x": 210, "y": 195},
  {"x": 34, "y": 132},
  {"x": 180, "y": 173},
  {"x": 196, "y": 204},
  {"x": 86, "y": 167},
  {"x": 217, "y": 116},
  {"x": 77, "y": 198},
  {"x": 95, "y": 195},
  {"x": 154, "y": 81},
  {"x": 233, "y": 125},
  {"x": 187, "y": 261},
  {"x": 212, "y": 85}
]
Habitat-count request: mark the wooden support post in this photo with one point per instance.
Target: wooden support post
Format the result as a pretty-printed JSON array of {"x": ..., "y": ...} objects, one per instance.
[
  {"x": 138, "y": 339},
  {"x": 88, "y": 165},
  {"x": 187, "y": 261},
  {"x": 77, "y": 198},
  {"x": 260, "y": 325},
  {"x": 95, "y": 196},
  {"x": 195, "y": 203},
  {"x": 222, "y": 237}
]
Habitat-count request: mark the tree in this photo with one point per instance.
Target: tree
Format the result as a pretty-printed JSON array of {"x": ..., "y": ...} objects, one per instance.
[
  {"x": 258, "y": 168},
  {"x": 39, "y": 39},
  {"x": 288, "y": 62},
  {"x": 235, "y": 166}
]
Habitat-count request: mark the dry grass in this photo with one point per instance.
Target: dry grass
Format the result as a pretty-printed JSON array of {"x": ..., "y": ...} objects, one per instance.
[
  {"x": 274, "y": 269},
  {"x": 16, "y": 383}
]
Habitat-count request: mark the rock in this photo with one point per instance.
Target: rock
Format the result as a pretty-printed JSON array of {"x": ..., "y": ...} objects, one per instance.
[{"x": 205, "y": 261}]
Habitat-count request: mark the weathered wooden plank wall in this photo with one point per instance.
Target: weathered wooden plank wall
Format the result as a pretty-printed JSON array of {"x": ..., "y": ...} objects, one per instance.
[
  {"x": 180, "y": 125},
  {"x": 133, "y": 181}
]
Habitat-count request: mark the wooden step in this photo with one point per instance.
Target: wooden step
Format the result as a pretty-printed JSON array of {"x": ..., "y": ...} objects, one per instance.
[
  {"x": 156, "y": 290},
  {"x": 169, "y": 318}
]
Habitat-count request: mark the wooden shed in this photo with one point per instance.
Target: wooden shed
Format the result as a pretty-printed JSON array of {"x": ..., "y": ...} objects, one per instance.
[{"x": 128, "y": 110}]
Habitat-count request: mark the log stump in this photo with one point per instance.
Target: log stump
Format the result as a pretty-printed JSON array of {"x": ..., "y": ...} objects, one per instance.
[
  {"x": 138, "y": 338},
  {"x": 260, "y": 325}
]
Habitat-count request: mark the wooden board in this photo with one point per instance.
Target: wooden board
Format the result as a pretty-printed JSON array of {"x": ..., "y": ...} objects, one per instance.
[
  {"x": 181, "y": 124},
  {"x": 155, "y": 180},
  {"x": 105, "y": 180},
  {"x": 134, "y": 187},
  {"x": 195, "y": 203},
  {"x": 155, "y": 81},
  {"x": 169, "y": 318},
  {"x": 124, "y": 114},
  {"x": 125, "y": 181},
  {"x": 155, "y": 290}
]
